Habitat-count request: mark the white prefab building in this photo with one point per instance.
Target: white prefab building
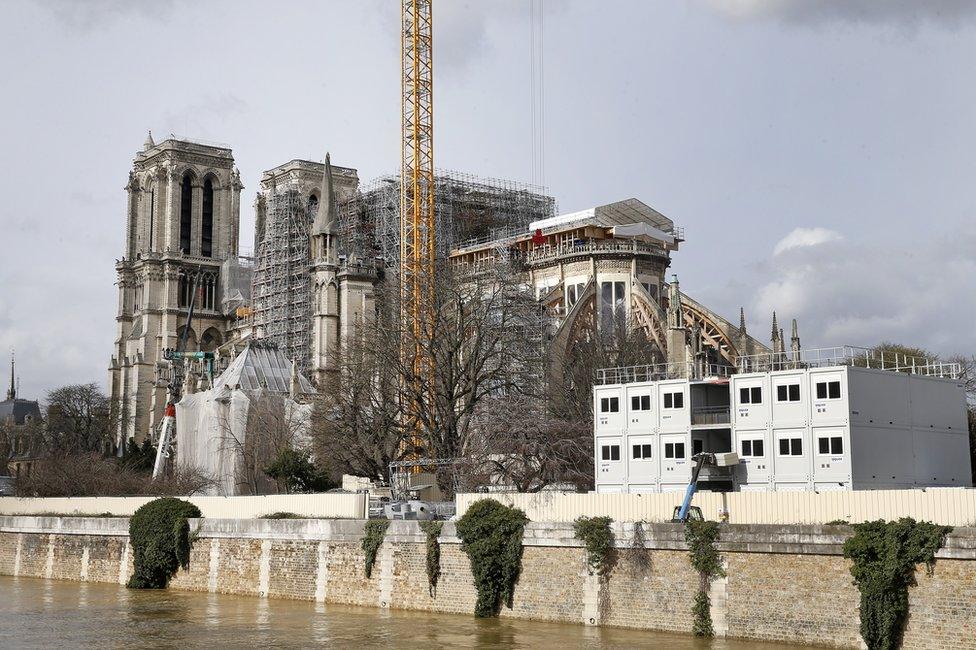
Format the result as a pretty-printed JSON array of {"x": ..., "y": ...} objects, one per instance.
[{"x": 795, "y": 426}]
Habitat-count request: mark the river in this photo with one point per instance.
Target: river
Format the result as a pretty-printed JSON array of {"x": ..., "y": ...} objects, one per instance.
[{"x": 51, "y": 614}]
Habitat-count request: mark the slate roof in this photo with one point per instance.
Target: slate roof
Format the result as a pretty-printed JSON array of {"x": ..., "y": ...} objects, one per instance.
[{"x": 19, "y": 409}]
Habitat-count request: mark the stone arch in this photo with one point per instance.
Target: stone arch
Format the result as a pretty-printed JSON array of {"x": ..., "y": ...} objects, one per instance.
[
  {"x": 712, "y": 335},
  {"x": 191, "y": 339},
  {"x": 210, "y": 340}
]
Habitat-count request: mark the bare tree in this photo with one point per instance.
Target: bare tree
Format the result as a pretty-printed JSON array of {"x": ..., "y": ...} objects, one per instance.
[
  {"x": 519, "y": 443},
  {"x": 80, "y": 419},
  {"x": 271, "y": 424}
]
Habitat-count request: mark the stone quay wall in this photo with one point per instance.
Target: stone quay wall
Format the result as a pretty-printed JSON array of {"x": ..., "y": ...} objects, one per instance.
[{"x": 783, "y": 583}]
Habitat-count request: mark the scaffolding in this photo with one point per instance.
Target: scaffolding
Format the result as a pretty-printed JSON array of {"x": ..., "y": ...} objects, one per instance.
[
  {"x": 281, "y": 285},
  {"x": 466, "y": 207}
]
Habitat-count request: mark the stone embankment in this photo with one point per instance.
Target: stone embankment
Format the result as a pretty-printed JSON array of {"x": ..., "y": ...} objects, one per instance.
[{"x": 784, "y": 583}]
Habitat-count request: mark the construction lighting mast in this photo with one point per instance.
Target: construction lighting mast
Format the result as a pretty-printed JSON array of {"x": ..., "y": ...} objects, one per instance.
[{"x": 417, "y": 195}]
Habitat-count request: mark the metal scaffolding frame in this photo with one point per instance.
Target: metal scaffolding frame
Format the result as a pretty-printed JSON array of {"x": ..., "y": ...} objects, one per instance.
[
  {"x": 281, "y": 286},
  {"x": 467, "y": 208}
]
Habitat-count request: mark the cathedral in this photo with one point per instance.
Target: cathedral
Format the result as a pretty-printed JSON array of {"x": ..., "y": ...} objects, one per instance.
[{"x": 323, "y": 242}]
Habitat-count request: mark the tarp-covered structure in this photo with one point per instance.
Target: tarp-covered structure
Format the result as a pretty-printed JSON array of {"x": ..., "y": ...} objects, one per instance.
[{"x": 232, "y": 431}]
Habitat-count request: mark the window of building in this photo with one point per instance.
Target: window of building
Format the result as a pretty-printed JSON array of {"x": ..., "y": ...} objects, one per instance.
[
  {"x": 610, "y": 452},
  {"x": 697, "y": 446},
  {"x": 791, "y": 447},
  {"x": 788, "y": 393},
  {"x": 642, "y": 452},
  {"x": 152, "y": 216},
  {"x": 833, "y": 445},
  {"x": 674, "y": 450},
  {"x": 612, "y": 303},
  {"x": 573, "y": 293},
  {"x": 186, "y": 220},
  {"x": 828, "y": 390},
  {"x": 752, "y": 448},
  {"x": 609, "y": 405},
  {"x": 751, "y": 395},
  {"x": 674, "y": 400},
  {"x": 640, "y": 402},
  {"x": 206, "y": 235}
]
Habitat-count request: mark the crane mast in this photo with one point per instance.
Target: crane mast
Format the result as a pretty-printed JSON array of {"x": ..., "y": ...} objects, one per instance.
[{"x": 417, "y": 220}]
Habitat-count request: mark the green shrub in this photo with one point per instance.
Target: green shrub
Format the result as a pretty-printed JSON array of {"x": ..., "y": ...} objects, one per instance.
[
  {"x": 883, "y": 558},
  {"x": 597, "y": 536},
  {"x": 373, "y": 536},
  {"x": 491, "y": 535},
  {"x": 433, "y": 530},
  {"x": 160, "y": 536},
  {"x": 282, "y": 515},
  {"x": 705, "y": 559}
]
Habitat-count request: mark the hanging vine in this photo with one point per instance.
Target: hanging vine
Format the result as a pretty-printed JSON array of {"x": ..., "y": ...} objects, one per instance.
[
  {"x": 433, "y": 531},
  {"x": 704, "y": 557},
  {"x": 597, "y": 536},
  {"x": 373, "y": 535},
  {"x": 160, "y": 537},
  {"x": 638, "y": 554},
  {"x": 491, "y": 535},
  {"x": 883, "y": 559}
]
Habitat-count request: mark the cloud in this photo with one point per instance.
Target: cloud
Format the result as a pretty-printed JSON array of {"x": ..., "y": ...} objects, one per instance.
[
  {"x": 805, "y": 237},
  {"x": 901, "y": 13},
  {"x": 88, "y": 14},
  {"x": 858, "y": 293}
]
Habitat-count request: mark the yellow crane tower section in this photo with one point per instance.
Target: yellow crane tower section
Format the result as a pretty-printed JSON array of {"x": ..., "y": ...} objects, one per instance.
[{"x": 417, "y": 222}]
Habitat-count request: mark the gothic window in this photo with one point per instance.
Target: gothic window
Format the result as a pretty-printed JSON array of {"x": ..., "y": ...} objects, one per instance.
[
  {"x": 152, "y": 215},
  {"x": 612, "y": 310},
  {"x": 186, "y": 221},
  {"x": 313, "y": 206},
  {"x": 210, "y": 340},
  {"x": 206, "y": 290},
  {"x": 206, "y": 241}
]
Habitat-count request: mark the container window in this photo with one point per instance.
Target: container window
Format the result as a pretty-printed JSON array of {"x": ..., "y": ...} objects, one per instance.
[
  {"x": 791, "y": 447},
  {"x": 609, "y": 405},
  {"x": 788, "y": 393}
]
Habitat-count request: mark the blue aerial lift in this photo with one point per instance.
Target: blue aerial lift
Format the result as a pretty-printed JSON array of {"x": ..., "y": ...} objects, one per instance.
[{"x": 686, "y": 511}]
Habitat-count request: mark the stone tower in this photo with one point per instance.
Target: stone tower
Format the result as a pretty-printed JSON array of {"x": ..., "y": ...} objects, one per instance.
[
  {"x": 342, "y": 286},
  {"x": 182, "y": 223}
]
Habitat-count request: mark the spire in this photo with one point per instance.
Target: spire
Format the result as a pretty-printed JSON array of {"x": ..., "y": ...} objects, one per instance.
[
  {"x": 742, "y": 320},
  {"x": 149, "y": 143},
  {"x": 675, "y": 320},
  {"x": 12, "y": 391},
  {"x": 775, "y": 327},
  {"x": 325, "y": 221},
  {"x": 795, "y": 342}
]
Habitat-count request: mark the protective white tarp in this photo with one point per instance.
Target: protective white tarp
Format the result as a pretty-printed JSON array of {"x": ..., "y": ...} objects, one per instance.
[{"x": 245, "y": 418}]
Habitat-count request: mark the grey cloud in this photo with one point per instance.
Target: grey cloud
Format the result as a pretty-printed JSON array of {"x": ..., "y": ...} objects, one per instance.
[
  {"x": 901, "y": 13},
  {"x": 859, "y": 293},
  {"x": 86, "y": 15}
]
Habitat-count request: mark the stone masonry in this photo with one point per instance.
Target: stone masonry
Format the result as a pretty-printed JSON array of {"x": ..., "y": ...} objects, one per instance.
[{"x": 785, "y": 583}]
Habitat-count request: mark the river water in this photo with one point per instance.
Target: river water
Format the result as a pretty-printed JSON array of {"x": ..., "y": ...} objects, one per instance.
[{"x": 51, "y": 614}]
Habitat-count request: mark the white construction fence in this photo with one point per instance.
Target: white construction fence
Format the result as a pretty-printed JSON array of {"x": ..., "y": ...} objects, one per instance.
[
  {"x": 947, "y": 506},
  {"x": 318, "y": 506}
]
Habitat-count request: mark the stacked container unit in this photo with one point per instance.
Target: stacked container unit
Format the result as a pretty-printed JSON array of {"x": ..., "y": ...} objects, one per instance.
[
  {"x": 642, "y": 439},
  {"x": 843, "y": 427},
  {"x": 831, "y": 428}
]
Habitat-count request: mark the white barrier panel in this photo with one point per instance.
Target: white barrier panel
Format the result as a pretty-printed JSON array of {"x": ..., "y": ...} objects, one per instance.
[
  {"x": 319, "y": 506},
  {"x": 947, "y": 506}
]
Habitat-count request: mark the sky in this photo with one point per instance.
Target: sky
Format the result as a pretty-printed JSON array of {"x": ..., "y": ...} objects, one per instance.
[{"x": 818, "y": 153}]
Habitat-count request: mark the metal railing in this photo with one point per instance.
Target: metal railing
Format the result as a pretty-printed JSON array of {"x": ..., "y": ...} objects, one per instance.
[
  {"x": 584, "y": 247},
  {"x": 659, "y": 371},
  {"x": 848, "y": 355},
  {"x": 710, "y": 415}
]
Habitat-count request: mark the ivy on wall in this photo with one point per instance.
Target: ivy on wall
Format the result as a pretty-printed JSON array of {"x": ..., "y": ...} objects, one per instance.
[
  {"x": 373, "y": 535},
  {"x": 433, "y": 531},
  {"x": 704, "y": 557},
  {"x": 883, "y": 559},
  {"x": 160, "y": 537},
  {"x": 638, "y": 554},
  {"x": 491, "y": 535},
  {"x": 597, "y": 536}
]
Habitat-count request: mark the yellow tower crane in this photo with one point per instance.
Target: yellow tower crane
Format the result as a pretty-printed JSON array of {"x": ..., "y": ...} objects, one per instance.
[{"x": 417, "y": 222}]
